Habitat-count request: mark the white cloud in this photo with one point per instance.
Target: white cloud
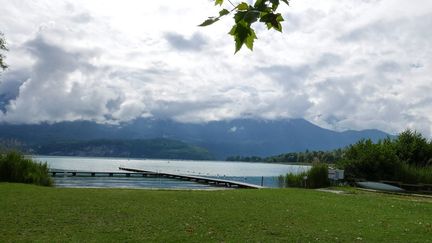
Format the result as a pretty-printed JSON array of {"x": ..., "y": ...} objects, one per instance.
[{"x": 340, "y": 64}]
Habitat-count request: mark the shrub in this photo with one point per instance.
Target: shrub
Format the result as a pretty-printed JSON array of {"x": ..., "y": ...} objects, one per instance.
[
  {"x": 281, "y": 181},
  {"x": 14, "y": 167},
  {"x": 371, "y": 161},
  {"x": 406, "y": 158},
  {"x": 295, "y": 180},
  {"x": 412, "y": 174},
  {"x": 317, "y": 177},
  {"x": 412, "y": 148}
]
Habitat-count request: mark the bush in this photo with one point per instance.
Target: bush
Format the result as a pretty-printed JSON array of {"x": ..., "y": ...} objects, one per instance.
[
  {"x": 295, "y": 180},
  {"x": 371, "y": 161},
  {"x": 317, "y": 177},
  {"x": 412, "y": 148},
  {"x": 406, "y": 158},
  {"x": 412, "y": 174},
  {"x": 14, "y": 167},
  {"x": 281, "y": 181}
]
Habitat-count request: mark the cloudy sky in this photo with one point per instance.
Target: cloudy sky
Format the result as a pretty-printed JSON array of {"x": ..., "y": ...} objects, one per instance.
[{"x": 341, "y": 64}]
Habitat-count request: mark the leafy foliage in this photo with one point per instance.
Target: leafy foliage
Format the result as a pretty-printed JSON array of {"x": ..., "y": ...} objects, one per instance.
[
  {"x": 3, "y": 47},
  {"x": 245, "y": 15},
  {"x": 406, "y": 158},
  {"x": 316, "y": 177},
  {"x": 370, "y": 161},
  {"x": 413, "y": 148},
  {"x": 295, "y": 180},
  {"x": 14, "y": 167}
]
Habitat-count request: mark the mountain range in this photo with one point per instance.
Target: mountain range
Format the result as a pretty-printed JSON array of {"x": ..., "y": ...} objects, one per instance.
[{"x": 244, "y": 137}]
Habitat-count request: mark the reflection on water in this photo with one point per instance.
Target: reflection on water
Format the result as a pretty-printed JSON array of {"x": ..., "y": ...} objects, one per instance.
[{"x": 254, "y": 173}]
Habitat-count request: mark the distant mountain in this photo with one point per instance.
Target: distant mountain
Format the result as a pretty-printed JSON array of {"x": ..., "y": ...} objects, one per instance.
[
  {"x": 244, "y": 137},
  {"x": 137, "y": 148}
]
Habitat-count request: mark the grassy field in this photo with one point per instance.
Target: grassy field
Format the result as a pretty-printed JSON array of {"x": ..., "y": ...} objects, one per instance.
[{"x": 33, "y": 213}]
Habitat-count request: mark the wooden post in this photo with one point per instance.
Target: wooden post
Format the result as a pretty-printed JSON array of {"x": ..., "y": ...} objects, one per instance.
[{"x": 262, "y": 180}]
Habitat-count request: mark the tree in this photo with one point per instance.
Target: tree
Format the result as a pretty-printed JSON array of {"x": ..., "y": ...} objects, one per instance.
[
  {"x": 245, "y": 15},
  {"x": 3, "y": 47},
  {"x": 412, "y": 148},
  {"x": 371, "y": 161}
]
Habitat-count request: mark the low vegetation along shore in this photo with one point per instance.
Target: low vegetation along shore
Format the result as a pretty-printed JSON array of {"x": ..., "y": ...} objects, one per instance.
[
  {"x": 47, "y": 214},
  {"x": 15, "y": 167}
]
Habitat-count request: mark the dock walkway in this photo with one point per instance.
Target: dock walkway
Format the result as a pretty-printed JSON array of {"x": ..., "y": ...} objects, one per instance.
[
  {"x": 130, "y": 172},
  {"x": 198, "y": 179}
]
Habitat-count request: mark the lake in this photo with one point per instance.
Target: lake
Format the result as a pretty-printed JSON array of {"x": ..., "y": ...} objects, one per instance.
[{"x": 239, "y": 171}]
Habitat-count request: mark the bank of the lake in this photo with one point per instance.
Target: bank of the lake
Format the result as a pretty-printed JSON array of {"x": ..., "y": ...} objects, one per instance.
[{"x": 32, "y": 213}]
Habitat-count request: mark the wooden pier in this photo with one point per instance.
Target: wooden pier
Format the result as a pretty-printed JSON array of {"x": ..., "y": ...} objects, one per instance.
[
  {"x": 198, "y": 179},
  {"x": 129, "y": 172}
]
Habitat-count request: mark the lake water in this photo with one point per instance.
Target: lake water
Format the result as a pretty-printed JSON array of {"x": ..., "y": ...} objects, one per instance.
[{"x": 239, "y": 171}]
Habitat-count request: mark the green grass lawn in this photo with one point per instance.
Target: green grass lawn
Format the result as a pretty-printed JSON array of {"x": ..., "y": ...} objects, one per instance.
[{"x": 33, "y": 213}]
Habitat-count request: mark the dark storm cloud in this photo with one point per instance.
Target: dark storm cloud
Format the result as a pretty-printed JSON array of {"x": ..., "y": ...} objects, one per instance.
[
  {"x": 11, "y": 81},
  {"x": 52, "y": 60},
  {"x": 51, "y": 93}
]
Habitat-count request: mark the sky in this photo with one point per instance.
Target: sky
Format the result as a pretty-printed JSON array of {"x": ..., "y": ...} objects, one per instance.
[{"x": 340, "y": 64}]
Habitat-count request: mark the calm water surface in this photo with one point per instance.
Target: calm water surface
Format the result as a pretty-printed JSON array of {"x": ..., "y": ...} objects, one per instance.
[{"x": 240, "y": 171}]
